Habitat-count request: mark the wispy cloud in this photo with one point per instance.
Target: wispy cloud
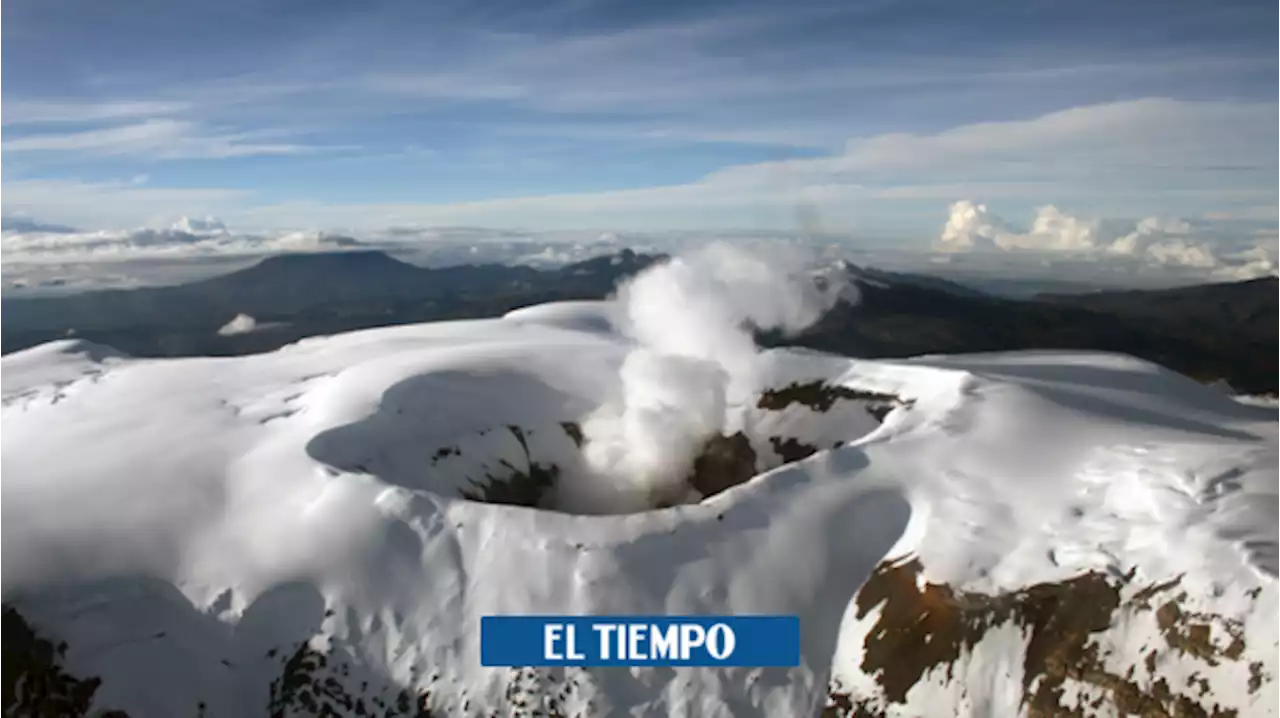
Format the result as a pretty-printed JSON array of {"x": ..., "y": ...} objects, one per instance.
[
  {"x": 115, "y": 204},
  {"x": 1134, "y": 158},
  {"x": 869, "y": 117},
  {"x": 159, "y": 139},
  {"x": 20, "y": 112},
  {"x": 1148, "y": 154},
  {"x": 1148, "y": 135},
  {"x": 759, "y": 76}
]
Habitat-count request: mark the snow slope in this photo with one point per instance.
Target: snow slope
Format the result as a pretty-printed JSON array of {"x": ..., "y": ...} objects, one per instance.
[{"x": 271, "y": 534}]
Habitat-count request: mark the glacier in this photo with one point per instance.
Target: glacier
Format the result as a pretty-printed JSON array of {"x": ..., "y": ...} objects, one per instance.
[{"x": 315, "y": 529}]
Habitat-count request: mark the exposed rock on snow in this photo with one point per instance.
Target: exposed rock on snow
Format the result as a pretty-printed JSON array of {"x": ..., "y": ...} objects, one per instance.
[
  {"x": 285, "y": 533},
  {"x": 723, "y": 462},
  {"x": 821, "y": 397},
  {"x": 922, "y": 628},
  {"x": 522, "y": 487},
  {"x": 35, "y": 681}
]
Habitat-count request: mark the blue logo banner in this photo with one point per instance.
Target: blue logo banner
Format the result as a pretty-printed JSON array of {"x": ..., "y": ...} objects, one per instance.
[{"x": 640, "y": 641}]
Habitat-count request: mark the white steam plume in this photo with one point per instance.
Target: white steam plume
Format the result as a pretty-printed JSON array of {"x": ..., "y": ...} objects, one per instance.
[
  {"x": 694, "y": 364},
  {"x": 241, "y": 324}
]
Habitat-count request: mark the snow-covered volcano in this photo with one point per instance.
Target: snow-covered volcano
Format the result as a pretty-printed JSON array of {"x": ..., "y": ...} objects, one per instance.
[{"x": 321, "y": 528}]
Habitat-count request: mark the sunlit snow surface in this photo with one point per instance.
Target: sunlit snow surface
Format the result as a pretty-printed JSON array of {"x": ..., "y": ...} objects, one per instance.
[{"x": 184, "y": 524}]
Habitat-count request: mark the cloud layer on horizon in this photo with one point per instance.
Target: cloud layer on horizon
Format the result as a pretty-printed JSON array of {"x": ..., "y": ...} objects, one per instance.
[
  {"x": 1204, "y": 245},
  {"x": 974, "y": 241},
  {"x": 187, "y": 238}
]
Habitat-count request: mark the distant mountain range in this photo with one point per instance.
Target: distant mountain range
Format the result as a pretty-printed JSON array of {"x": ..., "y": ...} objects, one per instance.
[
  {"x": 1220, "y": 331},
  {"x": 1209, "y": 332},
  {"x": 298, "y": 295}
]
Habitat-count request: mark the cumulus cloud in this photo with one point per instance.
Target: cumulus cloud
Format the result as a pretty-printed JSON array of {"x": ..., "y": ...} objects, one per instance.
[
  {"x": 206, "y": 225},
  {"x": 1259, "y": 261},
  {"x": 1169, "y": 242},
  {"x": 241, "y": 324},
  {"x": 1150, "y": 232},
  {"x": 972, "y": 226},
  {"x": 1181, "y": 253},
  {"x": 1053, "y": 230}
]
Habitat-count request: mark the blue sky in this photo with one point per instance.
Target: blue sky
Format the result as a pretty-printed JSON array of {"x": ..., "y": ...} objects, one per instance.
[{"x": 868, "y": 117}]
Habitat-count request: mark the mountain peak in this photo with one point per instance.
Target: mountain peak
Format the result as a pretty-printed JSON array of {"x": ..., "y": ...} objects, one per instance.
[
  {"x": 337, "y": 258},
  {"x": 295, "y": 281},
  {"x": 342, "y": 266}
]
